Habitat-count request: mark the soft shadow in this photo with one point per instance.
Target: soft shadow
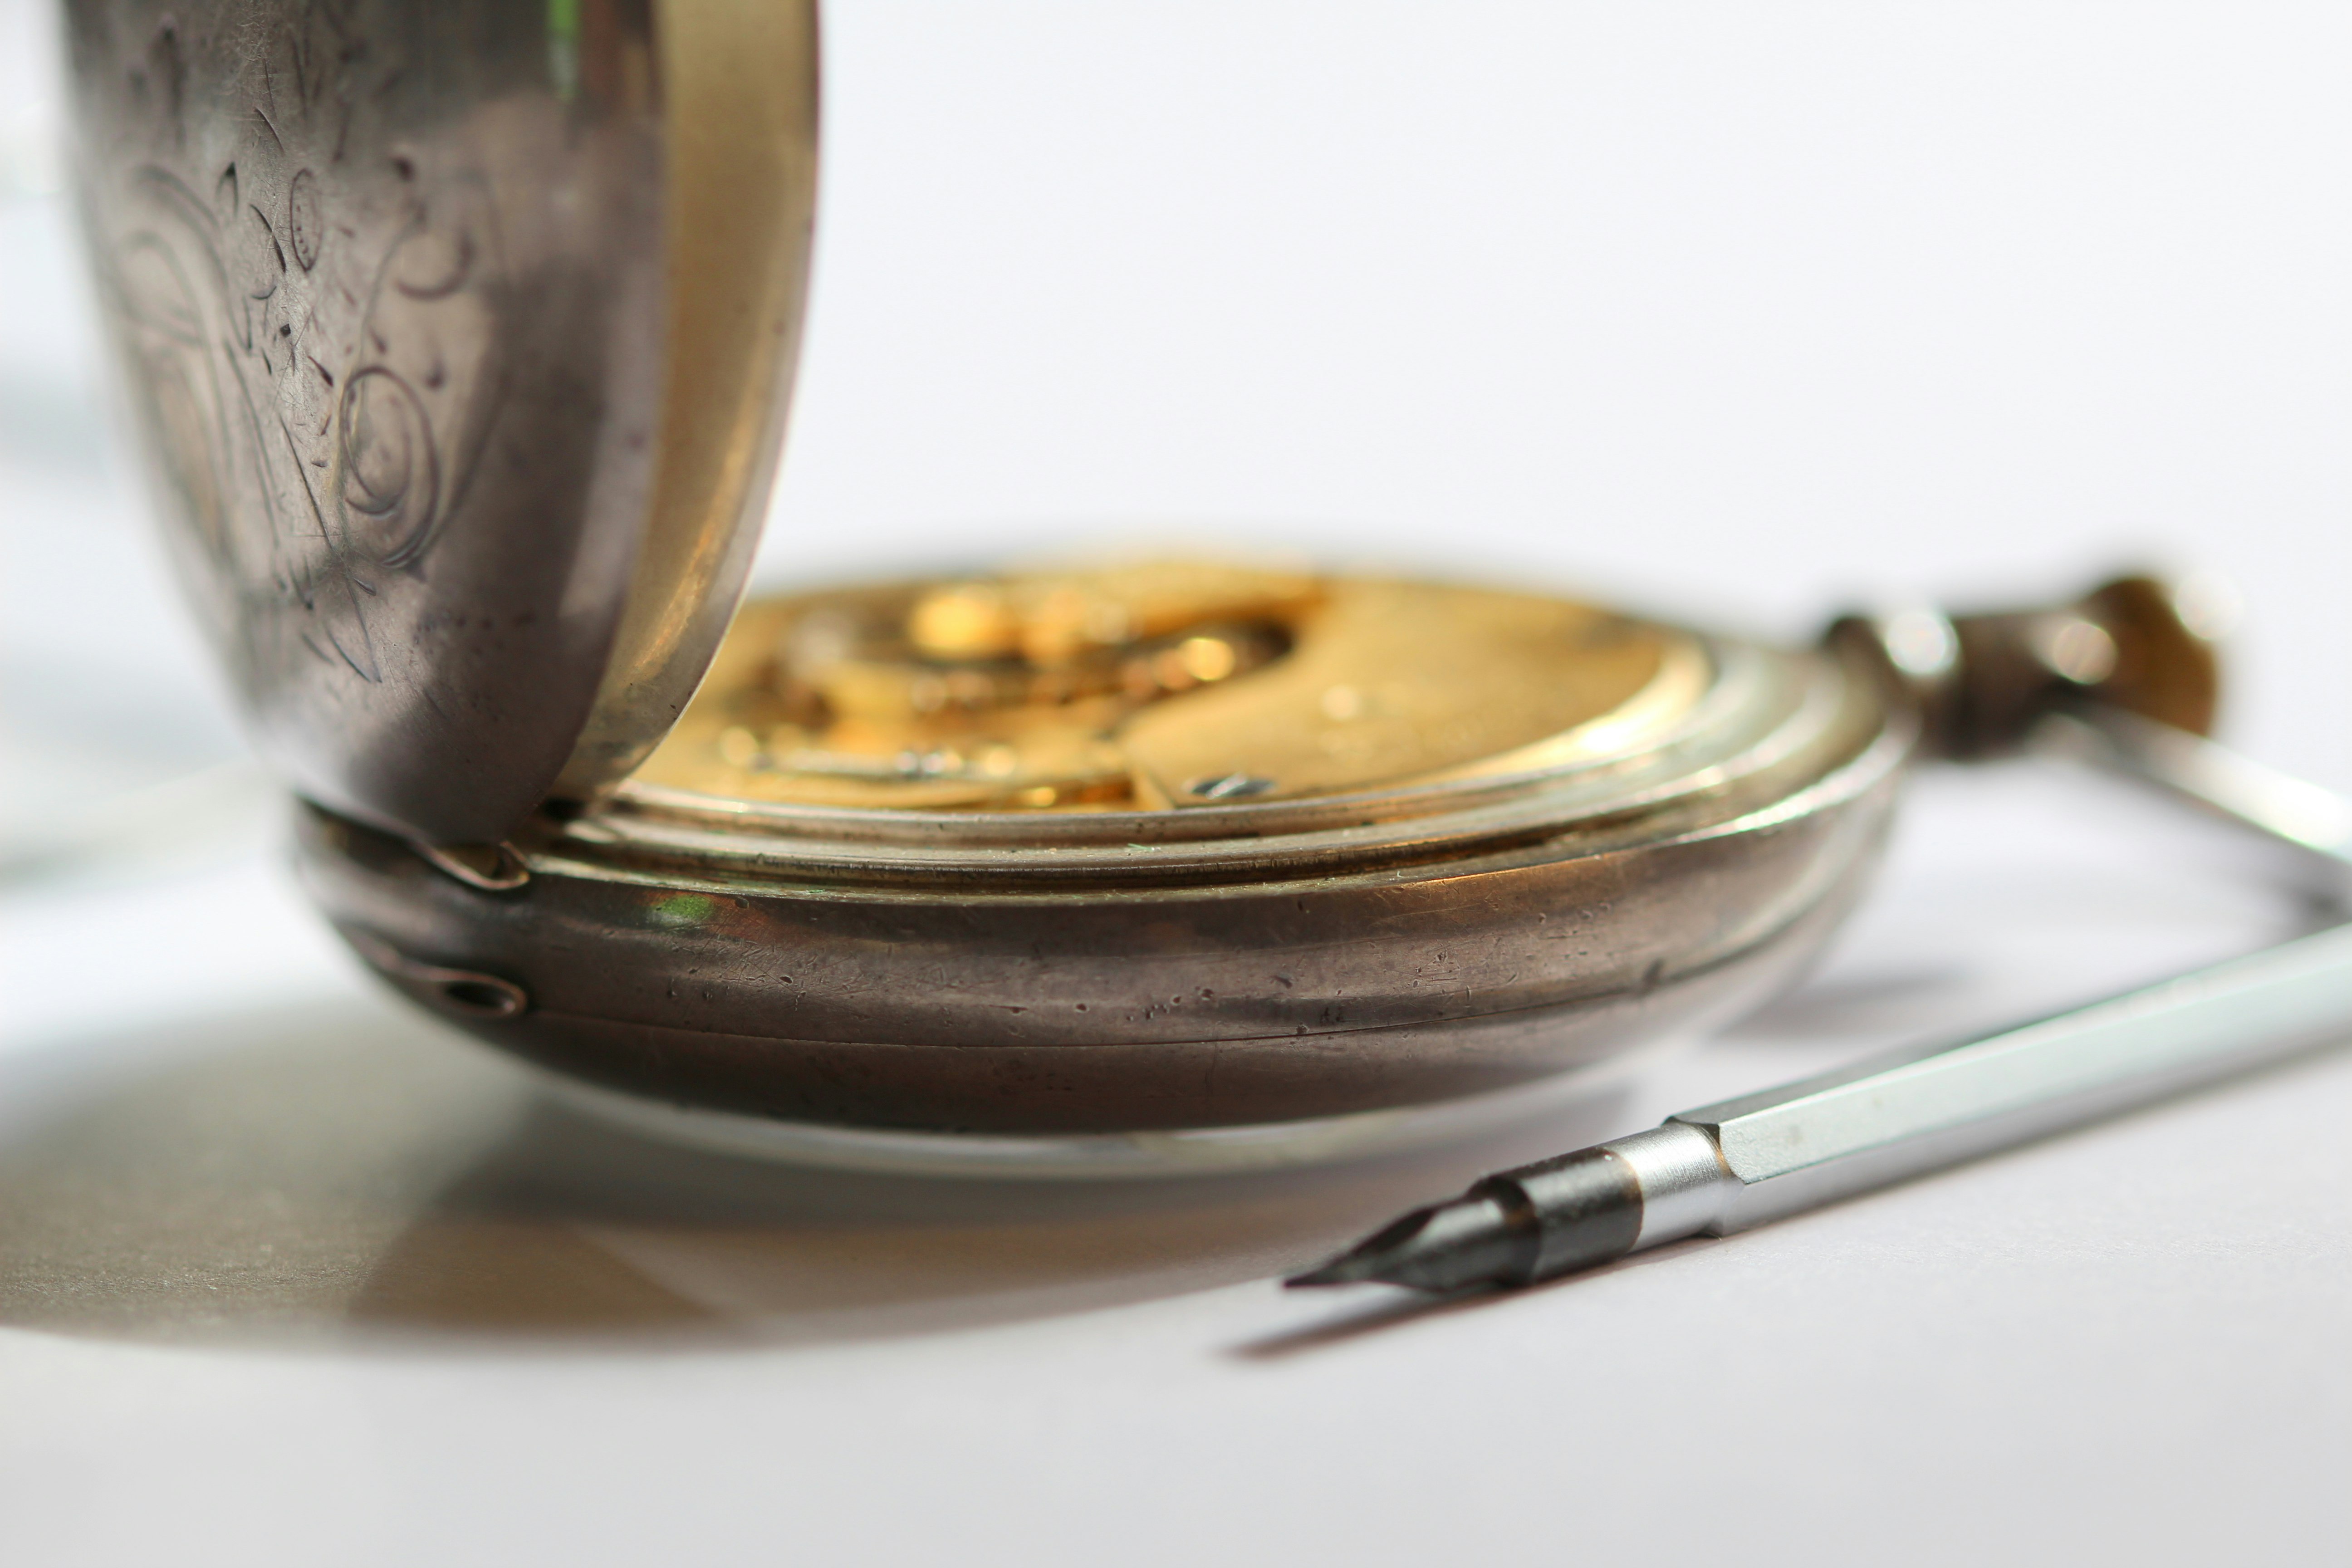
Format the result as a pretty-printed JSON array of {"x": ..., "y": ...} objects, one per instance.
[
  {"x": 348, "y": 1169},
  {"x": 1869, "y": 1004},
  {"x": 1376, "y": 1309}
]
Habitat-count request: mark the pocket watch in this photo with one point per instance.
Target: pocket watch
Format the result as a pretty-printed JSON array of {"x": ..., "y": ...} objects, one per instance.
[{"x": 460, "y": 333}]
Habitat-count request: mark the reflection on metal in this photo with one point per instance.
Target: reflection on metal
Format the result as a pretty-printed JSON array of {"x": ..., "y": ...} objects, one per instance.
[
  {"x": 1166, "y": 684},
  {"x": 1142, "y": 1155},
  {"x": 2312, "y": 822},
  {"x": 492, "y": 867},
  {"x": 906, "y": 953},
  {"x": 403, "y": 295},
  {"x": 1464, "y": 924}
]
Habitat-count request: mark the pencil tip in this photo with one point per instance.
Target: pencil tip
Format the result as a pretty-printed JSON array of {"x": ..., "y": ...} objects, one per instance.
[
  {"x": 1368, "y": 1258},
  {"x": 1335, "y": 1272},
  {"x": 1443, "y": 1248}
]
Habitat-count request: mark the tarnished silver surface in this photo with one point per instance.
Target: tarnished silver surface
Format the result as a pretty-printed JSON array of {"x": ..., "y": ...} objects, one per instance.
[
  {"x": 397, "y": 287},
  {"x": 1214, "y": 967},
  {"x": 2138, "y": 645},
  {"x": 1230, "y": 965}
]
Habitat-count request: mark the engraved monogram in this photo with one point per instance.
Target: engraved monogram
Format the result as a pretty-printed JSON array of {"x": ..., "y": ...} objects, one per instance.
[{"x": 308, "y": 326}]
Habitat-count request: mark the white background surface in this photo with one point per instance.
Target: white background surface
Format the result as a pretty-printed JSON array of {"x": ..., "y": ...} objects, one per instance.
[{"x": 1736, "y": 310}]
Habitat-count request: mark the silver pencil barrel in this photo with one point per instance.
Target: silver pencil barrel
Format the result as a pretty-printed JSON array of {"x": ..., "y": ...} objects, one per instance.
[{"x": 1864, "y": 1126}]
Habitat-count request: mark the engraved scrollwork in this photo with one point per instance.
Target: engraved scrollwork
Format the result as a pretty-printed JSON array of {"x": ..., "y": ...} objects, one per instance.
[
  {"x": 389, "y": 301},
  {"x": 305, "y": 225},
  {"x": 391, "y": 471},
  {"x": 309, "y": 340}
]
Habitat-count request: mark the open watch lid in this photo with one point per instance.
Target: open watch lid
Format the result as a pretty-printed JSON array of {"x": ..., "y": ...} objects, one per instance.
[{"x": 463, "y": 331}]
